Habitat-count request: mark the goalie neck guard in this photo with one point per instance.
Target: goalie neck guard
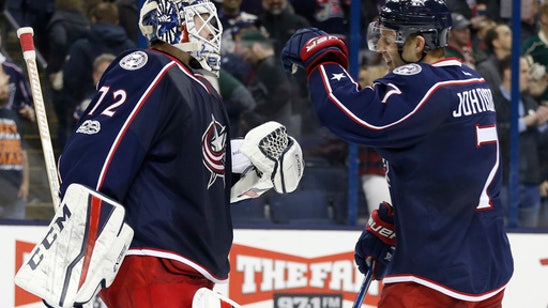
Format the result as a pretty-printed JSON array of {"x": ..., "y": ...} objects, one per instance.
[{"x": 190, "y": 25}]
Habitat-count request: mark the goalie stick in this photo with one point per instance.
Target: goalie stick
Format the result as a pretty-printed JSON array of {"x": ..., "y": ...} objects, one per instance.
[
  {"x": 25, "y": 35},
  {"x": 363, "y": 288}
]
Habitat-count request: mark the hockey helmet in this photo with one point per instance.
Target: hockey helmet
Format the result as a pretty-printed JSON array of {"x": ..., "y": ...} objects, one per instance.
[
  {"x": 190, "y": 25},
  {"x": 430, "y": 19}
]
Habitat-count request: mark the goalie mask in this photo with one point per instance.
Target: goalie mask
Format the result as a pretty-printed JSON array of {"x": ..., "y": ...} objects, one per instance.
[
  {"x": 190, "y": 25},
  {"x": 430, "y": 19}
]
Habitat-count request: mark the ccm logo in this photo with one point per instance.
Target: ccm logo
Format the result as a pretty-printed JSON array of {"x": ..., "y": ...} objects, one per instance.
[{"x": 49, "y": 239}]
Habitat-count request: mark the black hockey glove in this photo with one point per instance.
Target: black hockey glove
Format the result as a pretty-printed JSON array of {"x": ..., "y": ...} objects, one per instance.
[
  {"x": 377, "y": 242},
  {"x": 309, "y": 47}
]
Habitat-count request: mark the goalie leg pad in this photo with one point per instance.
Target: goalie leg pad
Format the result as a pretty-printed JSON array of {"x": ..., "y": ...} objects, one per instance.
[{"x": 81, "y": 253}]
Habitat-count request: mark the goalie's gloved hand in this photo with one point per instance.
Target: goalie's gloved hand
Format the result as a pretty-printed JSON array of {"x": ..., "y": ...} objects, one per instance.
[
  {"x": 377, "y": 242},
  {"x": 309, "y": 47},
  {"x": 275, "y": 160}
]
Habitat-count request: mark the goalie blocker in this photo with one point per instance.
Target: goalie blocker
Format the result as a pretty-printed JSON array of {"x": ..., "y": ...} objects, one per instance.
[{"x": 81, "y": 252}]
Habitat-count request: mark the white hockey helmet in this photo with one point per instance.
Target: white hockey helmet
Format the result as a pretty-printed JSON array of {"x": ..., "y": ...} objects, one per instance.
[{"x": 190, "y": 25}]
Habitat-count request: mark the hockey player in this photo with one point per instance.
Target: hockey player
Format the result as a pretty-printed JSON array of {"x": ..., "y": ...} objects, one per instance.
[
  {"x": 154, "y": 140},
  {"x": 433, "y": 120}
]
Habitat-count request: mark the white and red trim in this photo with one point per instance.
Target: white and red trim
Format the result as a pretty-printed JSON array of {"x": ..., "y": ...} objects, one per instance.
[
  {"x": 338, "y": 101},
  {"x": 128, "y": 122},
  {"x": 173, "y": 256},
  {"x": 443, "y": 289}
]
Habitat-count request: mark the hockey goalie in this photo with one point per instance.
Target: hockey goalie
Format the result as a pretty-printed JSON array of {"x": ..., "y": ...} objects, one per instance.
[{"x": 155, "y": 139}]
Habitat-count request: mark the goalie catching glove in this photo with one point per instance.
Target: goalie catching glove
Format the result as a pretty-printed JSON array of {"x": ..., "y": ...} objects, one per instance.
[
  {"x": 276, "y": 160},
  {"x": 377, "y": 242},
  {"x": 81, "y": 252}
]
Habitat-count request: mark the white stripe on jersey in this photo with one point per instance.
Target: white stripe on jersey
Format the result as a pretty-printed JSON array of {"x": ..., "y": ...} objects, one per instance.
[{"x": 423, "y": 100}]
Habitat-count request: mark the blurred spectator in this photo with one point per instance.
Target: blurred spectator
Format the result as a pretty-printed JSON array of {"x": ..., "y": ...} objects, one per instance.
[
  {"x": 499, "y": 44},
  {"x": 231, "y": 15},
  {"x": 480, "y": 49},
  {"x": 232, "y": 60},
  {"x": 529, "y": 19},
  {"x": 326, "y": 150},
  {"x": 254, "y": 7},
  {"x": 460, "y": 40},
  {"x": 371, "y": 166},
  {"x": 100, "y": 65},
  {"x": 460, "y": 7},
  {"x": 235, "y": 64},
  {"x": 269, "y": 85},
  {"x": 237, "y": 98},
  {"x": 543, "y": 154},
  {"x": 20, "y": 97},
  {"x": 128, "y": 10},
  {"x": 537, "y": 45},
  {"x": 531, "y": 117},
  {"x": 35, "y": 14},
  {"x": 14, "y": 167},
  {"x": 539, "y": 79},
  {"x": 104, "y": 36},
  {"x": 475, "y": 10},
  {"x": 68, "y": 24},
  {"x": 328, "y": 15},
  {"x": 235, "y": 21},
  {"x": 280, "y": 22}
]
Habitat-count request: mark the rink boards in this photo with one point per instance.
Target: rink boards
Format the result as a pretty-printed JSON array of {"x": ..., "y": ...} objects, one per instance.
[{"x": 294, "y": 268}]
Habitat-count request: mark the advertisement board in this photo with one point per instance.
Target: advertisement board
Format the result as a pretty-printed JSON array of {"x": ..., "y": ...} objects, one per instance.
[{"x": 293, "y": 269}]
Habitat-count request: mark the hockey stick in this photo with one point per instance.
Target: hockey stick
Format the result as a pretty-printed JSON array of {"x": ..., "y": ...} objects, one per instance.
[
  {"x": 25, "y": 35},
  {"x": 363, "y": 289}
]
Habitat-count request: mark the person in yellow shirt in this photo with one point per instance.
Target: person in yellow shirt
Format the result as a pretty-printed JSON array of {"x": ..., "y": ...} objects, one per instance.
[{"x": 14, "y": 168}]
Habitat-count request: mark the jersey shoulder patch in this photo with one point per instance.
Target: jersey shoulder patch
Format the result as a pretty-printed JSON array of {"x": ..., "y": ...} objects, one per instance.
[
  {"x": 408, "y": 69},
  {"x": 134, "y": 60}
]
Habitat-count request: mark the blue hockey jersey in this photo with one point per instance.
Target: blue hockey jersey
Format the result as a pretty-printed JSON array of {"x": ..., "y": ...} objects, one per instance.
[
  {"x": 436, "y": 127},
  {"x": 155, "y": 138}
]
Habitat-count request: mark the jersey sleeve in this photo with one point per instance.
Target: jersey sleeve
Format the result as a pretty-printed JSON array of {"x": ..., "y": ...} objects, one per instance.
[{"x": 384, "y": 115}]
